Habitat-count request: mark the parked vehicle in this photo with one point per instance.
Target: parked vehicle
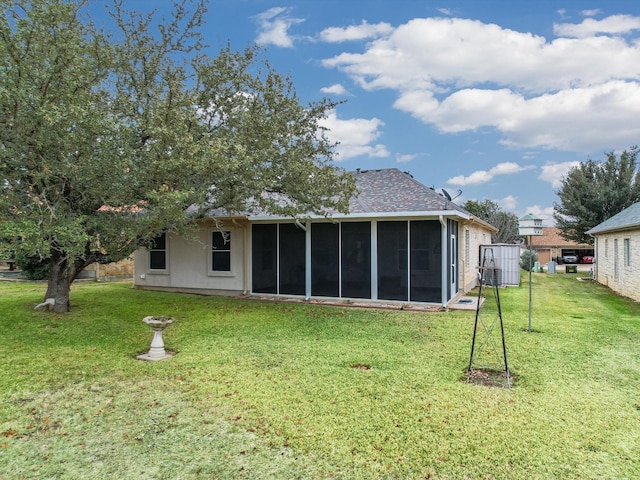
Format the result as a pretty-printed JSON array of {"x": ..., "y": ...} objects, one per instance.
[
  {"x": 587, "y": 259},
  {"x": 569, "y": 258}
]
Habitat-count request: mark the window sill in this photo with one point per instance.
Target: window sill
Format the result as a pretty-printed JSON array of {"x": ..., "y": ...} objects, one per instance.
[{"x": 212, "y": 273}]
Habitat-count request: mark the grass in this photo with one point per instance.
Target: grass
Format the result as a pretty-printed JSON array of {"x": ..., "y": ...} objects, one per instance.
[{"x": 282, "y": 390}]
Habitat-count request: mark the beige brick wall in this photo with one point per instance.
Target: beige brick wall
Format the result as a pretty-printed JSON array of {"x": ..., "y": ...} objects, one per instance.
[
  {"x": 616, "y": 267},
  {"x": 472, "y": 237}
]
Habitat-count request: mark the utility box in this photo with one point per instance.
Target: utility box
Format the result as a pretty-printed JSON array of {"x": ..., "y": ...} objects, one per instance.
[
  {"x": 507, "y": 257},
  {"x": 551, "y": 267},
  {"x": 571, "y": 269}
]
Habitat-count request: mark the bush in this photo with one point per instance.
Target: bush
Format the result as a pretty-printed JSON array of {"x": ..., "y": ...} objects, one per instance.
[
  {"x": 34, "y": 268},
  {"x": 524, "y": 259}
]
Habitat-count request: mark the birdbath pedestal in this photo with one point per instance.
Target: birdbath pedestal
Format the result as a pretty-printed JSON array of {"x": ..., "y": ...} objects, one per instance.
[{"x": 157, "y": 351}]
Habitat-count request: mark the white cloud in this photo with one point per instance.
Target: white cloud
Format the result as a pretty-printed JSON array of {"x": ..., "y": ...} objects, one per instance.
[
  {"x": 575, "y": 94},
  {"x": 446, "y": 11},
  {"x": 484, "y": 176},
  {"x": 615, "y": 25},
  {"x": 590, "y": 13},
  {"x": 335, "y": 89},
  {"x": 544, "y": 213},
  {"x": 555, "y": 172},
  {"x": 400, "y": 158},
  {"x": 274, "y": 27},
  {"x": 508, "y": 203},
  {"x": 355, "y": 136},
  {"x": 355, "y": 32}
]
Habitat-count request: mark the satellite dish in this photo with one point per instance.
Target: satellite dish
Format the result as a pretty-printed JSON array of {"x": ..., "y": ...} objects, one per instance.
[{"x": 448, "y": 196}]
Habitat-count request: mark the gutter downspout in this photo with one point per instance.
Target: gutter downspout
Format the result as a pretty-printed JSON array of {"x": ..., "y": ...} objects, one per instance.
[
  {"x": 245, "y": 260},
  {"x": 596, "y": 244},
  {"x": 445, "y": 267}
]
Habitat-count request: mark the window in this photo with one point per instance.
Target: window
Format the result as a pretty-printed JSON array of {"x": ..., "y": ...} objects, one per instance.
[
  {"x": 627, "y": 252},
  {"x": 220, "y": 251},
  {"x": 158, "y": 253},
  {"x": 467, "y": 249},
  {"x": 606, "y": 247}
]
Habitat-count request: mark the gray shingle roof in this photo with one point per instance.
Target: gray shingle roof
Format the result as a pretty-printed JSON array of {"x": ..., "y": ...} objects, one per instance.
[
  {"x": 390, "y": 191},
  {"x": 626, "y": 219},
  {"x": 386, "y": 191}
]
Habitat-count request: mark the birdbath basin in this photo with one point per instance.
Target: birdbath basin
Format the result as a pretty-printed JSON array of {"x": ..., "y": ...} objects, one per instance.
[{"x": 157, "y": 351}]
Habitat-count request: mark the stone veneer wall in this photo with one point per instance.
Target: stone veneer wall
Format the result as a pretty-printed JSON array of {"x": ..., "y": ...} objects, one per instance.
[
  {"x": 111, "y": 271},
  {"x": 627, "y": 281}
]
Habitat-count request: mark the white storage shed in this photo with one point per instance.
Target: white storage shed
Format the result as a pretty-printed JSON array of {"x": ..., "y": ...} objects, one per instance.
[{"x": 505, "y": 256}]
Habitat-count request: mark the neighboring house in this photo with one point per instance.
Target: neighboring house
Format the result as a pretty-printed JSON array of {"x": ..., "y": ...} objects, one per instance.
[
  {"x": 617, "y": 252},
  {"x": 552, "y": 246},
  {"x": 401, "y": 241}
]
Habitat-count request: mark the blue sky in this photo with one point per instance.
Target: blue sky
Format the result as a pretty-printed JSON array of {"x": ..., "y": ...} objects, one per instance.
[{"x": 496, "y": 99}]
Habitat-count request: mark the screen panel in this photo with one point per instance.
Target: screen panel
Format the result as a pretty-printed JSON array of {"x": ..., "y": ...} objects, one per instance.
[
  {"x": 392, "y": 260},
  {"x": 325, "y": 254},
  {"x": 356, "y": 260},
  {"x": 263, "y": 250},
  {"x": 426, "y": 261},
  {"x": 292, "y": 259}
]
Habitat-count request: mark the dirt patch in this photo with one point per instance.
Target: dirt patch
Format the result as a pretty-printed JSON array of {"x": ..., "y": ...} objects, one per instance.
[
  {"x": 487, "y": 377},
  {"x": 361, "y": 366}
]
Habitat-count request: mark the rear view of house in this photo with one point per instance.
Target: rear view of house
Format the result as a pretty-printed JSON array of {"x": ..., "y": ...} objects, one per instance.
[{"x": 400, "y": 242}]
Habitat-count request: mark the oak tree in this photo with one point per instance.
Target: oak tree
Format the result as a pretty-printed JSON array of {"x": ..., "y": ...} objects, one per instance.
[
  {"x": 490, "y": 212},
  {"x": 108, "y": 136}
]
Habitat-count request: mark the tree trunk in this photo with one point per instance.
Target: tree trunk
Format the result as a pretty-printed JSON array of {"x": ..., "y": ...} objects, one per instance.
[{"x": 62, "y": 272}]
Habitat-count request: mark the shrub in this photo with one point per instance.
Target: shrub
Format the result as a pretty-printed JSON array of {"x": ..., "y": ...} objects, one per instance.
[
  {"x": 34, "y": 268},
  {"x": 524, "y": 259}
]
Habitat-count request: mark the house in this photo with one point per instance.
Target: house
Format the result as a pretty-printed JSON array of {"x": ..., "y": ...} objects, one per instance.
[
  {"x": 552, "y": 246},
  {"x": 617, "y": 252},
  {"x": 401, "y": 242}
]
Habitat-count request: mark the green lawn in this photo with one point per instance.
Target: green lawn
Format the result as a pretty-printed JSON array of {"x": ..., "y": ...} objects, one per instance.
[{"x": 265, "y": 390}]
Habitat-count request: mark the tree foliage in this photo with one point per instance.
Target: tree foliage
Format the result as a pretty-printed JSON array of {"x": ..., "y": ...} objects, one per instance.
[
  {"x": 490, "y": 212},
  {"x": 528, "y": 258},
  {"x": 594, "y": 191},
  {"x": 96, "y": 127}
]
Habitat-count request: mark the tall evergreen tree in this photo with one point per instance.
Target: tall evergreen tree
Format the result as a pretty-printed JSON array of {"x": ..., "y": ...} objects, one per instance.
[{"x": 594, "y": 191}]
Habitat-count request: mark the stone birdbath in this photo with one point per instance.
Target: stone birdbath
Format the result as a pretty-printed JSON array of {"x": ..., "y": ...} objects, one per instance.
[{"x": 157, "y": 351}]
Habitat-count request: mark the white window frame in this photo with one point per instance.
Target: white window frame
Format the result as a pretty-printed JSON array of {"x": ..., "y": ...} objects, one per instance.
[
  {"x": 627, "y": 252},
  {"x": 467, "y": 247},
  {"x": 221, "y": 273},
  {"x": 160, "y": 271}
]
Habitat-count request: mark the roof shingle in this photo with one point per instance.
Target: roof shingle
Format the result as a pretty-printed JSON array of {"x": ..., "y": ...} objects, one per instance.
[{"x": 391, "y": 190}]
